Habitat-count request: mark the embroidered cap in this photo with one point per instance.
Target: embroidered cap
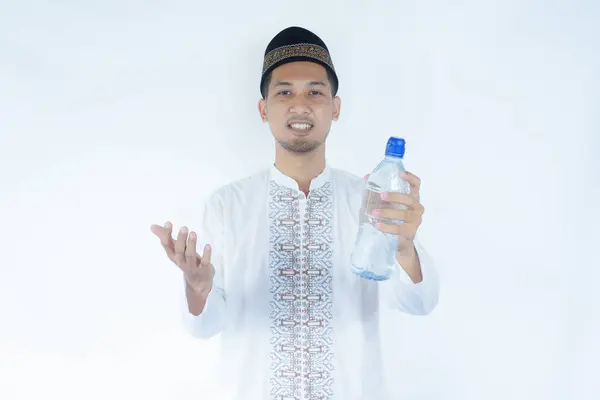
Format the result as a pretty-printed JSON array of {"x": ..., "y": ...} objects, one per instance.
[{"x": 297, "y": 44}]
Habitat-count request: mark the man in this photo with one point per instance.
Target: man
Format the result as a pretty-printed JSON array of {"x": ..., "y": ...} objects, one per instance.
[{"x": 274, "y": 278}]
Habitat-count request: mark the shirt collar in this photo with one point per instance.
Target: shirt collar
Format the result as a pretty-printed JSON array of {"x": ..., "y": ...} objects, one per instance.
[{"x": 281, "y": 179}]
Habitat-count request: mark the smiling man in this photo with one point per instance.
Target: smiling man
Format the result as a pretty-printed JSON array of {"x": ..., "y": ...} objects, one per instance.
[{"x": 274, "y": 277}]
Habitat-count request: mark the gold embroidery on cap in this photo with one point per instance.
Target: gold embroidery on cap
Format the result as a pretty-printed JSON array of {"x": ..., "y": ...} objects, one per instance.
[{"x": 296, "y": 50}]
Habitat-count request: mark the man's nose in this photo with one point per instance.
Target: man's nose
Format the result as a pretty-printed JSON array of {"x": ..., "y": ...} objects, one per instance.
[{"x": 299, "y": 105}]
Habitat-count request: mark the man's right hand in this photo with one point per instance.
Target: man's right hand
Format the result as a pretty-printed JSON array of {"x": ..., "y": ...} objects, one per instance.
[{"x": 198, "y": 270}]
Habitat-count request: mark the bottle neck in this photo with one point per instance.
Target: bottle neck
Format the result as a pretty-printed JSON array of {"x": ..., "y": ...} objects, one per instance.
[{"x": 393, "y": 158}]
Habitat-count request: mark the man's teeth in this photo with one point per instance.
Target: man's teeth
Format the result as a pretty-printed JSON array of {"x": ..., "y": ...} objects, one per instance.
[{"x": 301, "y": 126}]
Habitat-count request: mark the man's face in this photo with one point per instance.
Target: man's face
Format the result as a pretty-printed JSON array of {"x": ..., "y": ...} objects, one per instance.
[{"x": 299, "y": 106}]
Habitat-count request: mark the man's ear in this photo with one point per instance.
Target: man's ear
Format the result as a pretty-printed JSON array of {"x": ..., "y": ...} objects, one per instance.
[
  {"x": 262, "y": 109},
  {"x": 337, "y": 105}
]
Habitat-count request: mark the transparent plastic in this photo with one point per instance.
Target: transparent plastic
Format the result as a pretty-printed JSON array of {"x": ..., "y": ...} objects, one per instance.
[{"x": 374, "y": 254}]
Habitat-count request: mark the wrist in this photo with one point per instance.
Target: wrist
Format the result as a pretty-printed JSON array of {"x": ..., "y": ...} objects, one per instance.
[
  {"x": 409, "y": 261},
  {"x": 406, "y": 249}
]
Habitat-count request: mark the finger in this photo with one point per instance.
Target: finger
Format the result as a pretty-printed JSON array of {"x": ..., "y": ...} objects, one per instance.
[
  {"x": 367, "y": 176},
  {"x": 405, "y": 230},
  {"x": 166, "y": 240},
  {"x": 180, "y": 246},
  {"x": 399, "y": 198},
  {"x": 205, "y": 262},
  {"x": 414, "y": 182},
  {"x": 395, "y": 214},
  {"x": 160, "y": 231},
  {"x": 190, "y": 250}
]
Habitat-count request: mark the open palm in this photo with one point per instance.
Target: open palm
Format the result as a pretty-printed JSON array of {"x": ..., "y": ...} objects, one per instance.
[{"x": 198, "y": 270}]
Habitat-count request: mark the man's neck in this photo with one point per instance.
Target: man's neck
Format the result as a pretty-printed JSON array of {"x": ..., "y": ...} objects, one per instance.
[{"x": 302, "y": 168}]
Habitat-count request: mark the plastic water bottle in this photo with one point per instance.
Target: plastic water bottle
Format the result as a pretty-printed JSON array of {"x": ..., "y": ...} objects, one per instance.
[{"x": 374, "y": 254}]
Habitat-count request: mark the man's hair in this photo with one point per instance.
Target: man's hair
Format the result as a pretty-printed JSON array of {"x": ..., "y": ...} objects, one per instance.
[{"x": 265, "y": 87}]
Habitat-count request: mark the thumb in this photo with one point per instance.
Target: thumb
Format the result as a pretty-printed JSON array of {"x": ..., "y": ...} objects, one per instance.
[
  {"x": 159, "y": 231},
  {"x": 367, "y": 176}
]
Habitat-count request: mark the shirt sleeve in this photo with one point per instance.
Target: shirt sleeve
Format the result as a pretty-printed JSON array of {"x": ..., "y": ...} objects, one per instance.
[
  {"x": 210, "y": 322},
  {"x": 401, "y": 293}
]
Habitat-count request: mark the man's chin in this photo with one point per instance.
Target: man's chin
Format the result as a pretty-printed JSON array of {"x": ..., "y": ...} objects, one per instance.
[{"x": 299, "y": 145}]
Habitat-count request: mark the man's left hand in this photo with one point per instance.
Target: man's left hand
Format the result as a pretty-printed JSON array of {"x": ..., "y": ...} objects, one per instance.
[{"x": 409, "y": 219}]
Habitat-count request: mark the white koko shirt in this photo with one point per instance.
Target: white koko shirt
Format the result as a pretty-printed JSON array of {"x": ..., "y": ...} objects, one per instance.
[{"x": 295, "y": 322}]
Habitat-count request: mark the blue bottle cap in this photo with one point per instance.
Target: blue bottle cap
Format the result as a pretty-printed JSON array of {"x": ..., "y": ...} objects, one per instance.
[{"x": 395, "y": 147}]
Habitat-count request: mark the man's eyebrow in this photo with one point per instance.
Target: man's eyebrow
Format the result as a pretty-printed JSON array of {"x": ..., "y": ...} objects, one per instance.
[
  {"x": 317, "y": 83},
  {"x": 282, "y": 83}
]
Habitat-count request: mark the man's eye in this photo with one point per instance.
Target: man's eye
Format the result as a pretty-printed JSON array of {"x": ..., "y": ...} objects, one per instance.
[
  {"x": 315, "y": 92},
  {"x": 285, "y": 92}
]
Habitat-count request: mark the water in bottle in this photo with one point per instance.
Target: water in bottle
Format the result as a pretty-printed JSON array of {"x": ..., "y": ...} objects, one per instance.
[{"x": 374, "y": 254}]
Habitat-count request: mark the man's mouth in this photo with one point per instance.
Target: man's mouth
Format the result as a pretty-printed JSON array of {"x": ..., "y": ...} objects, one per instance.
[{"x": 300, "y": 126}]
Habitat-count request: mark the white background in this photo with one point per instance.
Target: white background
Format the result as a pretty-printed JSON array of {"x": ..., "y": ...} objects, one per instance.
[{"x": 118, "y": 114}]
